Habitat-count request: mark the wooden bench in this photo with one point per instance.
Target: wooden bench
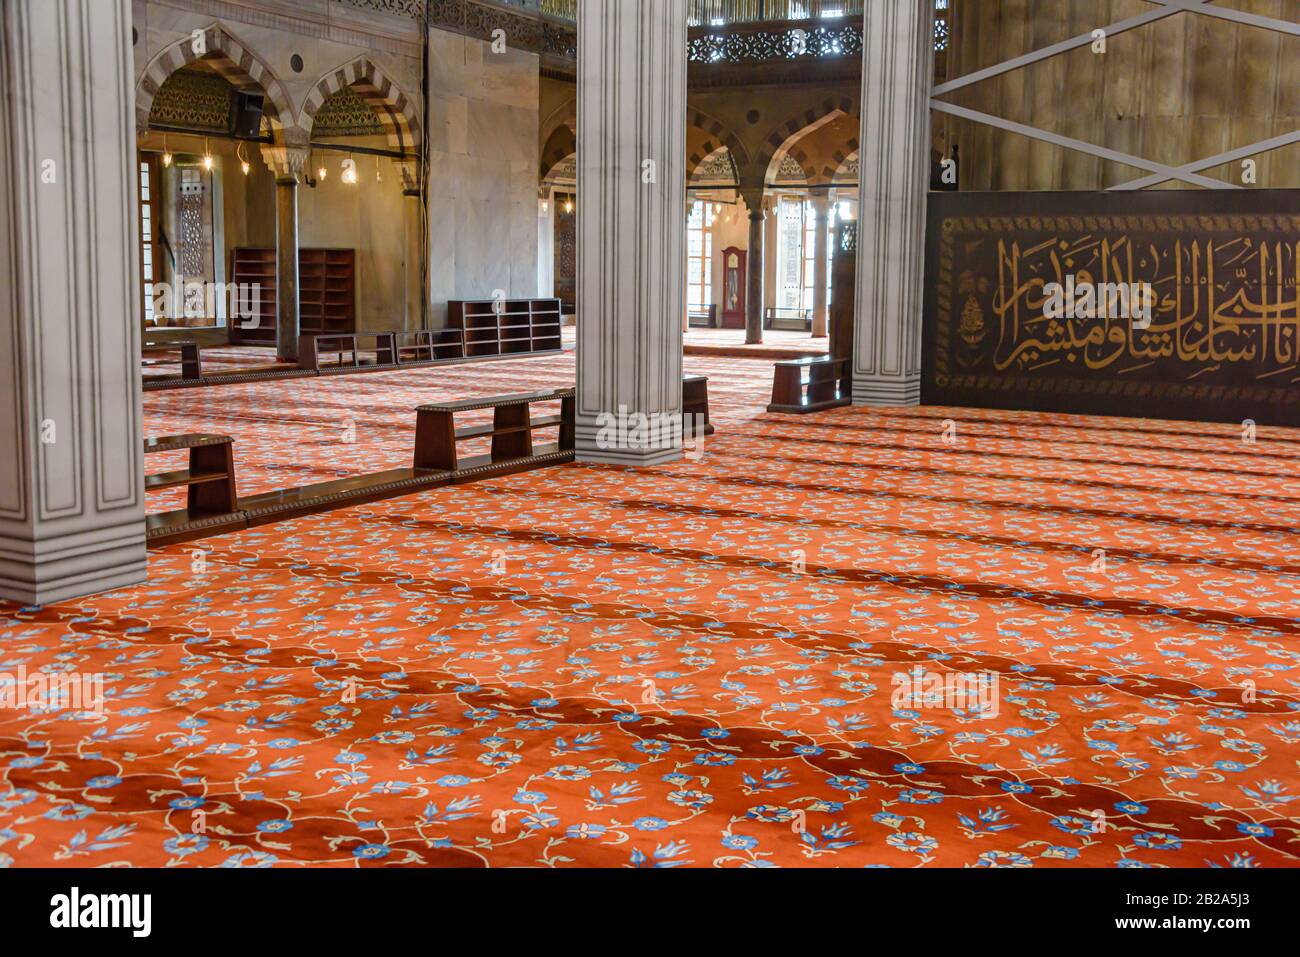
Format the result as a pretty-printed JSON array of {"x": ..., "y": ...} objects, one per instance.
[
  {"x": 191, "y": 364},
  {"x": 312, "y": 347},
  {"x": 695, "y": 399},
  {"x": 424, "y": 346},
  {"x": 212, "y": 502},
  {"x": 511, "y": 431},
  {"x": 703, "y": 317},
  {"x": 779, "y": 317},
  {"x": 810, "y": 384}
]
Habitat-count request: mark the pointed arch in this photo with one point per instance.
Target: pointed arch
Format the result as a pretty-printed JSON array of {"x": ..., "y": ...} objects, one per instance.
[
  {"x": 561, "y": 145},
  {"x": 783, "y": 138},
  {"x": 725, "y": 154},
  {"x": 715, "y": 135},
  {"x": 396, "y": 110},
  {"x": 232, "y": 59}
]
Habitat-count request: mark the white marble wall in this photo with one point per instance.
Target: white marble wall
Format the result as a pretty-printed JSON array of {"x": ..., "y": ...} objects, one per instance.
[
  {"x": 366, "y": 216},
  {"x": 275, "y": 30},
  {"x": 483, "y": 119}
]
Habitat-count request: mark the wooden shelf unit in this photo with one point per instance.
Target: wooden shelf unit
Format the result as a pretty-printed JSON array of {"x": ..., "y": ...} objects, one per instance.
[
  {"x": 255, "y": 267},
  {"x": 327, "y": 292},
  {"x": 506, "y": 327}
]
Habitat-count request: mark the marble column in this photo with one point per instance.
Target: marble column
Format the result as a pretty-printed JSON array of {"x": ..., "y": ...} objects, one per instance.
[
  {"x": 413, "y": 220},
  {"x": 756, "y": 268},
  {"x": 894, "y": 182},
  {"x": 821, "y": 205},
  {"x": 71, "y": 439},
  {"x": 286, "y": 269},
  {"x": 287, "y": 160},
  {"x": 631, "y": 244},
  {"x": 546, "y": 245}
]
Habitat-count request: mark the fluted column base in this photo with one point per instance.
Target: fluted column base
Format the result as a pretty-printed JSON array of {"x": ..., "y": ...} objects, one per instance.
[{"x": 897, "y": 392}]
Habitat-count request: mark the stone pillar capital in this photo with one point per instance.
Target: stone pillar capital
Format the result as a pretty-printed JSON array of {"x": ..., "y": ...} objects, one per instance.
[
  {"x": 289, "y": 154},
  {"x": 752, "y": 196}
]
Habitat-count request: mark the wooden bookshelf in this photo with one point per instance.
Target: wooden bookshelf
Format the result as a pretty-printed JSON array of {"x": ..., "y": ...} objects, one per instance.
[
  {"x": 327, "y": 292},
  {"x": 255, "y": 266},
  {"x": 506, "y": 327}
]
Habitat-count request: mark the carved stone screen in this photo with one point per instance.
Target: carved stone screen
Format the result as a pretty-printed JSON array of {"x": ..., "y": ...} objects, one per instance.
[{"x": 1178, "y": 304}]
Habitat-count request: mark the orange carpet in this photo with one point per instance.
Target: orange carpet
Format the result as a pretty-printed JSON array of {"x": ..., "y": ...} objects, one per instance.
[{"x": 695, "y": 665}]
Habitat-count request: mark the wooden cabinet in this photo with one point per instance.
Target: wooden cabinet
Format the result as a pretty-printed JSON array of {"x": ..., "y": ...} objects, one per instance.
[
  {"x": 505, "y": 327},
  {"x": 733, "y": 287},
  {"x": 254, "y": 267},
  {"x": 327, "y": 293}
]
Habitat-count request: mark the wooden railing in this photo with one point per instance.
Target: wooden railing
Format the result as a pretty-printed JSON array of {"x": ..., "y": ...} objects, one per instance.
[{"x": 720, "y": 12}]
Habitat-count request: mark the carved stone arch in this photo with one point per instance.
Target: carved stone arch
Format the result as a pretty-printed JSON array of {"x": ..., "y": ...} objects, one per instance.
[
  {"x": 716, "y": 135},
  {"x": 396, "y": 111},
  {"x": 694, "y": 165},
  {"x": 232, "y": 59},
  {"x": 844, "y": 162},
  {"x": 562, "y": 176},
  {"x": 783, "y": 138},
  {"x": 564, "y": 115},
  {"x": 561, "y": 145}
]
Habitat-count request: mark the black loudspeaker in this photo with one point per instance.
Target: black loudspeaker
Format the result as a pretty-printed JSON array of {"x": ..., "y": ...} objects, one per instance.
[{"x": 246, "y": 113}]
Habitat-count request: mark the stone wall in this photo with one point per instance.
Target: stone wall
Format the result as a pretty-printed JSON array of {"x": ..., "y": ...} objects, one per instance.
[{"x": 483, "y": 119}]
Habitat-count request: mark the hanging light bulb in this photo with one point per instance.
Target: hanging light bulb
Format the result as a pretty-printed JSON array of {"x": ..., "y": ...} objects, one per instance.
[
  {"x": 320, "y": 173},
  {"x": 379, "y": 173},
  {"x": 546, "y": 207},
  {"x": 167, "y": 155},
  {"x": 568, "y": 206},
  {"x": 243, "y": 160},
  {"x": 350, "y": 171},
  {"x": 207, "y": 156}
]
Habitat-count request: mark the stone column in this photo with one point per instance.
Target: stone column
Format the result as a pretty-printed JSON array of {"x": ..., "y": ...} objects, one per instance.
[
  {"x": 71, "y": 439},
  {"x": 895, "y": 173},
  {"x": 286, "y": 269},
  {"x": 757, "y": 267},
  {"x": 413, "y": 220},
  {"x": 546, "y": 245},
  {"x": 631, "y": 241},
  {"x": 287, "y": 160},
  {"x": 821, "y": 205}
]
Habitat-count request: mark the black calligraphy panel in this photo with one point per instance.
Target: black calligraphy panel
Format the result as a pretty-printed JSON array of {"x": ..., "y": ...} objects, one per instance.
[{"x": 1221, "y": 341}]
